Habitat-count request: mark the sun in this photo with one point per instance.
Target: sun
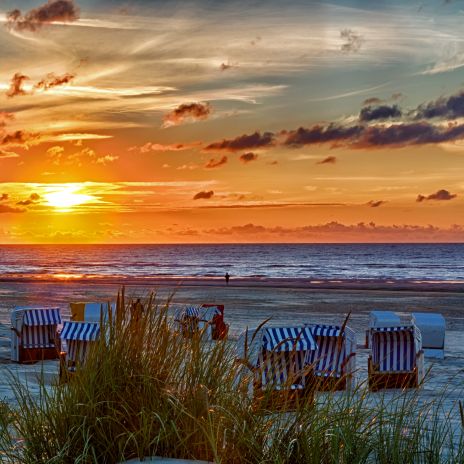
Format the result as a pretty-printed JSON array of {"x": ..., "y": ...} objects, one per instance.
[{"x": 66, "y": 197}]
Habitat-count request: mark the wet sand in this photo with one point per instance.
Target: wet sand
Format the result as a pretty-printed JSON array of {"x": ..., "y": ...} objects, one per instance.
[{"x": 414, "y": 285}]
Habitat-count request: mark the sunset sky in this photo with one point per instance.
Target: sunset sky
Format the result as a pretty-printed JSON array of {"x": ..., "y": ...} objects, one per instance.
[{"x": 202, "y": 121}]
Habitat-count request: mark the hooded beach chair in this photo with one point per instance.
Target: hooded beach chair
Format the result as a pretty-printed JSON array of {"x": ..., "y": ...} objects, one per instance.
[
  {"x": 91, "y": 312},
  {"x": 277, "y": 357},
  {"x": 187, "y": 320},
  {"x": 396, "y": 359},
  {"x": 78, "y": 338},
  {"x": 34, "y": 334},
  {"x": 334, "y": 360},
  {"x": 432, "y": 327}
]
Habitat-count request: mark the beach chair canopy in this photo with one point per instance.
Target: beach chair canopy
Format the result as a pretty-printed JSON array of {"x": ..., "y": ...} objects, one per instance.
[
  {"x": 394, "y": 349},
  {"x": 288, "y": 339},
  {"x": 333, "y": 348},
  {"x": 41, "y": 316},
  {"x": 81, "y": 331},
  {"x": 35, "y": 327},
  {"x": 380, "y": 318},
  {"x": 192, "y": 311}
]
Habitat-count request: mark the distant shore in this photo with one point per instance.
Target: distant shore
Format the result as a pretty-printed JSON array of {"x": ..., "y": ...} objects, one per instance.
[{"x": 250, "y": 282}]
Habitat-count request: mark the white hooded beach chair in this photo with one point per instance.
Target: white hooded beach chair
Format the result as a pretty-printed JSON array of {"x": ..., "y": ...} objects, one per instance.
[
  {"x": 277, "y": 357},
  {"x": 34, "y": 334},
  {"x": 334, "y": 360},
  {"x": 397, "y": 359},
  {"x": 433, "y": 329},
  {"x": 78, "y": 338}
]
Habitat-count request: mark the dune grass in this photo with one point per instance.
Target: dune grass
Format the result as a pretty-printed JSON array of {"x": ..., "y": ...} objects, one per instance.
[{"x": 147, "y": 391}]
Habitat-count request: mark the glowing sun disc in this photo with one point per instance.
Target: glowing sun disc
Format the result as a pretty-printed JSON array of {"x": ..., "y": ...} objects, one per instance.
[{"x": 66, "y": 199}]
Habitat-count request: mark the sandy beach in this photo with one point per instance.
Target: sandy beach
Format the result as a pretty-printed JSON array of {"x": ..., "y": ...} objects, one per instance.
[{"x": 247, "y": 306}]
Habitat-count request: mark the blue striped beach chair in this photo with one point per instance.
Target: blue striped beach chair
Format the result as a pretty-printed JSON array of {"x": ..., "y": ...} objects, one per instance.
[
  {"x": 190, "y": 320},
  {"x": 34, "y": 334},
  {"x": 79, "y": 338},
  {"x": 277, "y": 355},
  {"x": 397, "y": 358},
  {"x": 334, "y": 360}
]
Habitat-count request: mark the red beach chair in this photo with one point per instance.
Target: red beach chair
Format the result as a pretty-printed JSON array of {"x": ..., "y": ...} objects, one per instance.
[{"x": 220, "y": 329}]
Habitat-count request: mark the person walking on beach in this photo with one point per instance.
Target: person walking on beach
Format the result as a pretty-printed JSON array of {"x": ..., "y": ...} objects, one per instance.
[{"x": 227, "y": 277}]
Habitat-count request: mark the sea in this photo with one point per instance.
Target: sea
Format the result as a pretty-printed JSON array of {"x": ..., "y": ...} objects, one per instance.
[{"x": 421, "y": 262}]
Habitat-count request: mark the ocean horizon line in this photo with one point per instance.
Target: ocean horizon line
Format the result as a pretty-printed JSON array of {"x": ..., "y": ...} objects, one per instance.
[{"x": 224, "y": 243}]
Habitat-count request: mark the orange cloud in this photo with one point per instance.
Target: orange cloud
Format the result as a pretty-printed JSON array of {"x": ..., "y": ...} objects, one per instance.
[
  {"x": 203, "y": 195},
  {"x": 328, "y": 160},
  {"x": 248, "y": 157},
  {"x": 16, "y": 85},
  {"x": 18, "y": 138},
  {"x": 11, "y": 209},
  {"x": 244, "y": 142},
  {"x": 52, "y": 80},
  {"x": 337, "y": 232},
  {"x": 215, "y": 163},
  {"x": 4, "y": 117},
  {"x": 150, "y": 146},
  {"x": 50, "y": 12},
  {"x": 375, "y": 204},
  {"x": 187, "y": 112},
  {"x": 440, "y": 195},
  {"x": 32, "y": 200}
]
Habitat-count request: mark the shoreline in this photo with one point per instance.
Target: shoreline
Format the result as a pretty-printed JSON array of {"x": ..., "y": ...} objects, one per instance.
[{"x": 394, "y": 285}]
